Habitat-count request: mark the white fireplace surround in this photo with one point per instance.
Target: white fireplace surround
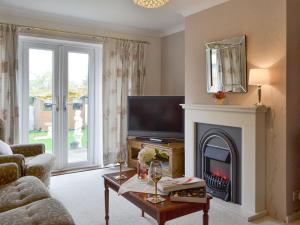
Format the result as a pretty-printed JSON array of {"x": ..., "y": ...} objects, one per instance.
[{"x": 251, "y": 120}]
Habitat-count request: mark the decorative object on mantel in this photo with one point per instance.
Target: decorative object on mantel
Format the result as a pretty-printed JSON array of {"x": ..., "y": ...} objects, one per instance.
[
  {"x": 151, "y": 4},
  {"x": 259, "y": 77},
  {"x": 145, "y": 157},
  {"x": 226, "y": 65},
  {"x": 219, "y": 97}
]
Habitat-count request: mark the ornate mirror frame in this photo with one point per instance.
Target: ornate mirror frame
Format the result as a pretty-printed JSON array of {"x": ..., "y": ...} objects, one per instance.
[{"x": 226, "y": 65}]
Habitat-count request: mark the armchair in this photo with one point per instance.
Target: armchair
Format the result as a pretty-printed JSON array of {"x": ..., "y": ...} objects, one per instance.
[
  {"x": 9, "y": 172},
  {"x": 31, "y": 160},
  {"x": 27, "y": 201}
]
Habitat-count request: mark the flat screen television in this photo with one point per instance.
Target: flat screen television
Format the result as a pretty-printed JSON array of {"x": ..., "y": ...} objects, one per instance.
[{"x": 159, "y": 117}]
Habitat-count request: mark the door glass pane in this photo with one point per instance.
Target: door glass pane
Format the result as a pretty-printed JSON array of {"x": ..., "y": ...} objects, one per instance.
[
  {"x": 40, "y": 97},
  {"x": 77, "y": 107}
]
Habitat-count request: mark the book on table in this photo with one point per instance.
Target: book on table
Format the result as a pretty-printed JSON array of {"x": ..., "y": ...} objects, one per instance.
[
  {"x": 167, "y": 184},
  {"x": 197, "y": 195}
]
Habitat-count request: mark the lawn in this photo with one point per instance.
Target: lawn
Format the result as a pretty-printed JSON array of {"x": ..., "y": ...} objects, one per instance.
[{"x": 35, "y": 137}]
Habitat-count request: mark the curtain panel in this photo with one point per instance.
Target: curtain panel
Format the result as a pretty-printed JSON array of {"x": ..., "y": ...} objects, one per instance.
[
  {"x": 123, "y": 75},
  {"x": 8, "y": 82}
]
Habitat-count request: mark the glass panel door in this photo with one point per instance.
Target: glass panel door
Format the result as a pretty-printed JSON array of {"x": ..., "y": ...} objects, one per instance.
[
  {"x": 78, "y": 84},
  {"x": 41, "y": 101},
  {"x": 58, "y": 101},
  {"x": 77, "y": 107}
]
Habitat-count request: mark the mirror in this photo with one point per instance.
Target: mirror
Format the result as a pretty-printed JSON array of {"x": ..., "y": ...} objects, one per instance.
[{"x": 226, "y": 65}]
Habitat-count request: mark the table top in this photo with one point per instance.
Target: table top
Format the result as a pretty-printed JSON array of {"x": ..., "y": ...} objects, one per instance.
[{"x": 139, "y": 199}]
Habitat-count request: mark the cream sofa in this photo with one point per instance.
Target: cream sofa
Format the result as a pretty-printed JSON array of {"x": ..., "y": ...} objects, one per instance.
[{"x": 26, "y": 200}]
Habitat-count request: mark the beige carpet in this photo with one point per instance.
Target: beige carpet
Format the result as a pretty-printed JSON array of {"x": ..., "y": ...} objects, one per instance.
[{"x": 82, "y": 194}]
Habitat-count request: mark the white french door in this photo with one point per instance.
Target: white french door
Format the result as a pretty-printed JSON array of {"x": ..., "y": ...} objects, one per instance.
[{"x": 61, "y": 99}]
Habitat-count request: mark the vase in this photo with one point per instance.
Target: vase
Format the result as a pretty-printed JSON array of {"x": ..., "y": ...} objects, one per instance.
[
  {"x": 142, "y": 171},
  {"x": 219, "y": 101}
]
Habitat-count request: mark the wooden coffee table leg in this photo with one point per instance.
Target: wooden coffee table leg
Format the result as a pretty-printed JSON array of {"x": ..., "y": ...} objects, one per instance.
[
  {"x": 106, "y": 197},
  {"x": 143, "y": 213},
  {"x": 205, "y": 217},
  {"x": 161, "y": 219},
  {"x": 162, "y": 222}
]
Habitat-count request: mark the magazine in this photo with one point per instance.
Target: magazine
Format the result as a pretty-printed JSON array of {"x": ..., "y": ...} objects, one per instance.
[
  {"x": 167, "y": 184},
  {"x": 197, "y": 195}
]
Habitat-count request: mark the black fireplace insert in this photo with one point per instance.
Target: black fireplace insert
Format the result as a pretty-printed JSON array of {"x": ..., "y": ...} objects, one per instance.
[{"x": 218, "y": 160}]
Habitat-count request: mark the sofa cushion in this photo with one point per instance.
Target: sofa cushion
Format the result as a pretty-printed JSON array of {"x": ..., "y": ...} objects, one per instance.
[
  {"x": 5, "y": 149},
  {"x": 44, "y": 212},
  {"x": 22, "y": 192},
  {"x": 40, "y": 166}
]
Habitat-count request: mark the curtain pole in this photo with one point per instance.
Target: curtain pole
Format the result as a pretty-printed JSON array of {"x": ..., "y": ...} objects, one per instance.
[{"x": 75, "y": 33}]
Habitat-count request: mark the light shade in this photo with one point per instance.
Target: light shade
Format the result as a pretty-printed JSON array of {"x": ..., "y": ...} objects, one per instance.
[
  {"x": 151, "y": 4},
  {"x": 259, "y": 76}
]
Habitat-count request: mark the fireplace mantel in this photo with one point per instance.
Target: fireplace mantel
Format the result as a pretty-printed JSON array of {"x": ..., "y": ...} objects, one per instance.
[
  {"x": 226, "y": 108},
  {"x": 251, "y": 120}
]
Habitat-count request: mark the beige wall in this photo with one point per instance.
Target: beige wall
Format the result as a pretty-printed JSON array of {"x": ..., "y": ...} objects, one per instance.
[
  {"x": 173, "y": 64},
  {"x": 264, "y": 24},
  {"x": 293, "y": 102},
  {"x": 153, "y": 71}
]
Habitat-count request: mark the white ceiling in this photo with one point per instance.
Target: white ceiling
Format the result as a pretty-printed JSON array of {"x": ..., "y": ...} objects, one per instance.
[{"x": 167, "y": 19}]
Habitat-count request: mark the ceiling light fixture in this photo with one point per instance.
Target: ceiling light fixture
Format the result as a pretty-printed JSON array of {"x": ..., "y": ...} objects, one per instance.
[{"x": 151, "y": 4}]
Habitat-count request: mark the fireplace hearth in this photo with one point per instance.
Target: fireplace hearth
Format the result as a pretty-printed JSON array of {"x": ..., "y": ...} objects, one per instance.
[{"x": 218, "y": 160}]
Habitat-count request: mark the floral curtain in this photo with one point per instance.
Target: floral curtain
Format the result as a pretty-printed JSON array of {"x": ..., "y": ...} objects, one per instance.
[
  {"x": 123, "y": 75},
  {"x": 8, "y": 82}
]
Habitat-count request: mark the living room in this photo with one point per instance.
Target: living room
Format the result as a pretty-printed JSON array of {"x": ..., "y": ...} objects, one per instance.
[{"x": 76, "y": 76}]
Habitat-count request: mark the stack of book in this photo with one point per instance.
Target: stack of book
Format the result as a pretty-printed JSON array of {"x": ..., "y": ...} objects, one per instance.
[{"x": 186, "y": 189}]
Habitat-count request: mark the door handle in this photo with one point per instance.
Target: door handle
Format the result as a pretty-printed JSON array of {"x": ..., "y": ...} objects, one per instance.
[
  {"x": 65, "y": 103},
  {"x": 56, "y": 104}
]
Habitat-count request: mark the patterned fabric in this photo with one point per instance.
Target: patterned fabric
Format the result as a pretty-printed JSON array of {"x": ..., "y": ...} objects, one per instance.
[
  {"x": 123, "y": 75},
  {"x": 9, "y": 172},
  {"x": 40, "y": 166},
  {"x": 32, "y": 161},
  {"x": 44, "y": 212},
  {"x": 22, "y": 192},
  {"x": 1, "y": 130},
  {"x": 28, "y": 149},
  {"x": 8, "y": 82},
  {"x": 16, "y": 158}
]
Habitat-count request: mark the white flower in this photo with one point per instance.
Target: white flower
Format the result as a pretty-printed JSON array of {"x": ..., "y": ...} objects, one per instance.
[{"x": 146, "y": 155}]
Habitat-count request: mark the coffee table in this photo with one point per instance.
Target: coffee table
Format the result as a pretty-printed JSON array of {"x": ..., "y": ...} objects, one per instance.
[{"x": 162, "y": 212}]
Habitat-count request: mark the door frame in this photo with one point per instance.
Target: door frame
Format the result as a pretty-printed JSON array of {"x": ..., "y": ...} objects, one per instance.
[{"x": 60, "y": 77}]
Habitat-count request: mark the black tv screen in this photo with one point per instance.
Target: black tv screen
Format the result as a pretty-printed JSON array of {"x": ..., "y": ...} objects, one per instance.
[{"x": 156, "y": 116}]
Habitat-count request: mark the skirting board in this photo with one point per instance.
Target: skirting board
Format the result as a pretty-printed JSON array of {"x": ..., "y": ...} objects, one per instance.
[
  {"x": 293, "y": 217},
  {"x": 257, "y": 216}
]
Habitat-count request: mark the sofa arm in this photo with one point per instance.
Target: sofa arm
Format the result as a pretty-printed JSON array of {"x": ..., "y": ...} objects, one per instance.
[
  {"x": 28, "y": 149},
  {"x": 18, "y": 159},
  {"x": 9, "y": 172}
]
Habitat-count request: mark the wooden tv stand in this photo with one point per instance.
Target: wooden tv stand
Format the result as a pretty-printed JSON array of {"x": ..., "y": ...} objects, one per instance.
[{"x": 175, "y": 150}]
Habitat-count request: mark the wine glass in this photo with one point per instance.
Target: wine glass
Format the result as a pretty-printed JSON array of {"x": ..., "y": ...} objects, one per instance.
[
  {"x": 155, "y": 172},
  {"x": 121, "y": 158}
]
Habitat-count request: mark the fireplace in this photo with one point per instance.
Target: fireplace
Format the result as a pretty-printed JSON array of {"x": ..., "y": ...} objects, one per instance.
[
  {"x": 218, "y": 157},
  {"x": 246, "y": 127}
]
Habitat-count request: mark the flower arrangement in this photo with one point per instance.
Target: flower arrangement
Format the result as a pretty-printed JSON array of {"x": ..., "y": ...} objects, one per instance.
[
  {"x": 146, "y": 155},
  {"x": 219, "y": 95}
]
